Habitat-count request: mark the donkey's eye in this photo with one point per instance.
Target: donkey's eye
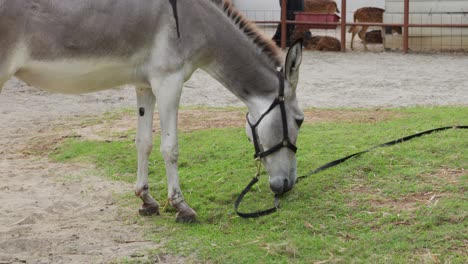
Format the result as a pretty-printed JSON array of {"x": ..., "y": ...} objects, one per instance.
[{"x": 299, "y": 122}]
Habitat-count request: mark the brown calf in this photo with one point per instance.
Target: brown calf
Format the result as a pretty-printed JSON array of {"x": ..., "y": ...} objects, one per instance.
[
  {"x": 321, "y": 43},
  {"x": 366, "y": 15},
  {"x": 369, "y": 15},
  {"x": 374, "y": 37}
]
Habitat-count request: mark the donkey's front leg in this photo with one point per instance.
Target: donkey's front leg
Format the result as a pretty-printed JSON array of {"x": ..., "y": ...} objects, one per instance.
[
  {"x": 168, "y": 91},
  {"x": 144, "y": 143}
]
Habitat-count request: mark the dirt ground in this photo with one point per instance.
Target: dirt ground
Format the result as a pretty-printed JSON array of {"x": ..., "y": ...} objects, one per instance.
[{"x": 65, "y": 213}]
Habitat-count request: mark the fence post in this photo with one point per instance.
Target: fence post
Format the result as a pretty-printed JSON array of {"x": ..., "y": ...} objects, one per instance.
[
  {"x": 284, "y": 9},
  {"x": 343, "y": 25},
  {"x": 406, "y": 27}
]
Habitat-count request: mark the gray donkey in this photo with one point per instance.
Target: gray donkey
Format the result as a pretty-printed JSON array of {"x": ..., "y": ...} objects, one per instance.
[{"x": 80, "y": 46}]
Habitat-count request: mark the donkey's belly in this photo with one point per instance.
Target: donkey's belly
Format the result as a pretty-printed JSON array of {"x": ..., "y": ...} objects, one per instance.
[{"x": 79, "y": 76}]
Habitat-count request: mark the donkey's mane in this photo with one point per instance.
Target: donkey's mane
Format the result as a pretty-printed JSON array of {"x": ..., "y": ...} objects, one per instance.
[{"x": 265, "y": 44}]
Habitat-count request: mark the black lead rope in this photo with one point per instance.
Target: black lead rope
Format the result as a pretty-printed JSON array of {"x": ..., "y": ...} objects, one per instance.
[{"x": 324, "y": 167}]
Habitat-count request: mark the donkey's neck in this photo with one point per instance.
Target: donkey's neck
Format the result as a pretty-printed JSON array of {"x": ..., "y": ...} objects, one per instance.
[
  {"x": 254, "y": 83},
  {"x": 238, "y": 64},
  {"x": 244, "y": 76}
]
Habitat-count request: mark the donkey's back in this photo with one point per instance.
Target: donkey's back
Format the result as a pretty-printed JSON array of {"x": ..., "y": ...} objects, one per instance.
[{"x": 78, "y": 46}]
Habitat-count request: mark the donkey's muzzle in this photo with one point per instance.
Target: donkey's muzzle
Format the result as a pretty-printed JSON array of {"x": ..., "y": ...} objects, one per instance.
[{"x": 280, "y": 185}]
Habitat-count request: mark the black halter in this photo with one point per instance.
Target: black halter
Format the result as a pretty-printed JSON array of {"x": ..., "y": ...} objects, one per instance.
[{"x": 286, "y": 142}]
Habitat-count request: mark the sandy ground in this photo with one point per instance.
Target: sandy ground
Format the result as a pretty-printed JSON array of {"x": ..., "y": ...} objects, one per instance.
[{"x": 62, "y": 213}]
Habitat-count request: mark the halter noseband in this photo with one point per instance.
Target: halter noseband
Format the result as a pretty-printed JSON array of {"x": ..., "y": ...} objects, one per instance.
[{"x": 286, "y": 142}]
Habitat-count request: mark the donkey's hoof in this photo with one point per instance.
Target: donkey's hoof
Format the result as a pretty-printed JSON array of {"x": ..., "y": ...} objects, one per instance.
[
  {"x": 147, "y": 210},
  {"x": 186, "y": 218}
]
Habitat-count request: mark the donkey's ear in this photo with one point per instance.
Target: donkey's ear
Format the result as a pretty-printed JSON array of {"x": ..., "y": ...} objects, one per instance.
[{"x": 293, "y": 61}]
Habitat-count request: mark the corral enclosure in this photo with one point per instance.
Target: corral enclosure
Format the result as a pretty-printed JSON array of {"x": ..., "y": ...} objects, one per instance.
[
  {"x": 270, "y": 9},
  {"x": 434, "y": 25}
]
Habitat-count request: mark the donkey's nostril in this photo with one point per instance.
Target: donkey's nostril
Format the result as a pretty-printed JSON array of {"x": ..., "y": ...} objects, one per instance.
[
  {"x": 277, "y": 186},
  {"x": 280, "y": 185},
  {"x": 286, "y": 187}
]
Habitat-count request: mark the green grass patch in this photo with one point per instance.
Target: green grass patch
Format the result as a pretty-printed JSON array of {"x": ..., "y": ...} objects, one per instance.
[{"x": 401, "y": 204}]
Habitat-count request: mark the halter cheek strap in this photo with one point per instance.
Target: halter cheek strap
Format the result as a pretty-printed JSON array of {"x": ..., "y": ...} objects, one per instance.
[{"x": 286, "y": 142}]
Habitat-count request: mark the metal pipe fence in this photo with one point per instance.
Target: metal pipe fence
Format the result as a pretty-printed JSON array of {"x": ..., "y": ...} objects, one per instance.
[{"x": 409, "y": 27}]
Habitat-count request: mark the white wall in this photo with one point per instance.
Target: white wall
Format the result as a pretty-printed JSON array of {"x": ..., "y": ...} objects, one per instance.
[
  {"x": 430, "y": 12},
  {"x": 429, "y": 6},
  {"x": 259, "y": 9},
  {"x": 257, "y": 4}
]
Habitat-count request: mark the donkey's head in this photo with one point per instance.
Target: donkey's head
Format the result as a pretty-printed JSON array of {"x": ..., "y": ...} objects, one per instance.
[{"x": 275, "y": 132}]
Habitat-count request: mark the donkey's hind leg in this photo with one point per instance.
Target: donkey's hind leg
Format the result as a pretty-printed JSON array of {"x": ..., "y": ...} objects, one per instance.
[
  {"x": 168, "y": 91},
  {"x": 144, "y": 143}
]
